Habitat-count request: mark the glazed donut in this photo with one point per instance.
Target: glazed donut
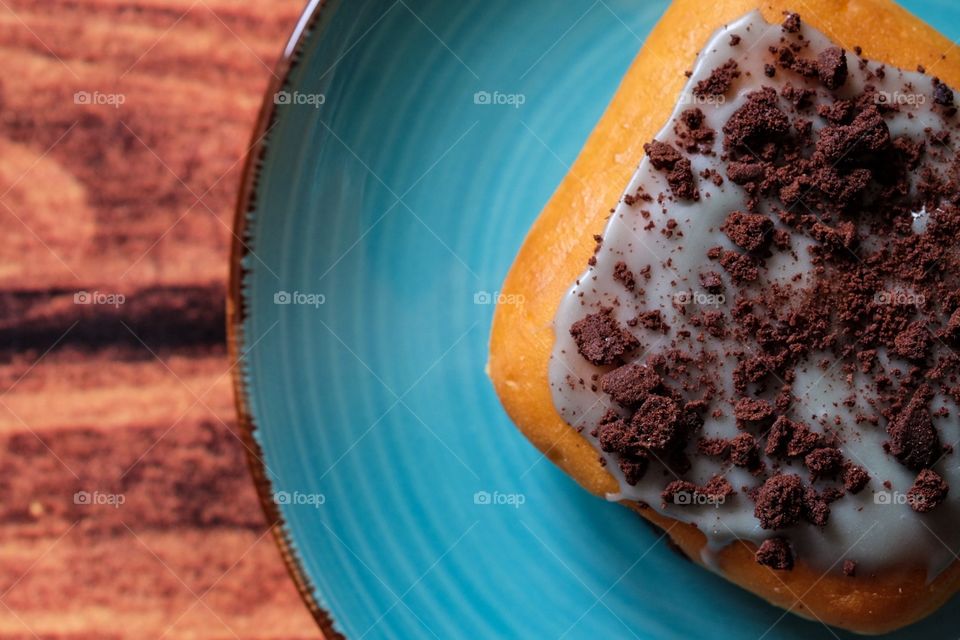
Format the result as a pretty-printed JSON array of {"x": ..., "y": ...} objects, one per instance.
[{"x": 737, "y": 314}]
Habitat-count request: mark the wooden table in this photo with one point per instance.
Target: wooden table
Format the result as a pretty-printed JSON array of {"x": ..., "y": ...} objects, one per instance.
[{"x": 127, "y": 509}]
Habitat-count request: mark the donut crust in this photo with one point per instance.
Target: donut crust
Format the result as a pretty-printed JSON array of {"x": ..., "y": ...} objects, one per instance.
[{"x": 558, "y": 245}]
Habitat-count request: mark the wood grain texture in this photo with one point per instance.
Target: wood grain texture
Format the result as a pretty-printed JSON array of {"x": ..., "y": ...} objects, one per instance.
[{"x": 123, "y": 125}]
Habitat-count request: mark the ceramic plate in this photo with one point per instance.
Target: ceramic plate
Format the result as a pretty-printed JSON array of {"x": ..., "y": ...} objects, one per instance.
[{"x": 396, "y": 170}]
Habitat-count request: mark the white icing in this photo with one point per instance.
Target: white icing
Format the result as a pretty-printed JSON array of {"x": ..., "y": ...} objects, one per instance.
[{"x": 860, "y": 527}]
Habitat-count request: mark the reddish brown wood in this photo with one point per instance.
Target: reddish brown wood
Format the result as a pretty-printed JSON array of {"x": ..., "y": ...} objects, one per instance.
[{"x": 123, "y": 125}]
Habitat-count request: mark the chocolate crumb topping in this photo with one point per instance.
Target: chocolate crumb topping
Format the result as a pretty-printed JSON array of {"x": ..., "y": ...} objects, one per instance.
[
  {"x": 927, "y": 492},
  {"x": 913, "y": 438},
  {"x": 744, "y": 451},
  {"x": 942, "y": 94},
  {"x": 758, "y": 121},
  {"x": 832, "y": 67},
  {"x": 776, "y": 554},
  {"x": 816, "y": 508},
  {"x": 630, "y": 384},
  {"x": 749, "y": 231},
  {"x": 665, "y": 157},
  {"x": 719, "y": 81},
  {"x": 779, "y": 502},
  {"x": 791, "y": 23},
  {"x": 825, "y": 461},
  {"x": 753, "y": 412},
  {"x": 622, "y": 274},
  {"x": 601, "y": 339},
  {"x": 656, "y": 423},
  {"x": 855, "y": 478},
  {"x": 849, "y": 568}
]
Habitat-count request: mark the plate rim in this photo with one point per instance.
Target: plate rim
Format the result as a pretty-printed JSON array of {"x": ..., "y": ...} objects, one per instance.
[{"x": 236, "y": 313}]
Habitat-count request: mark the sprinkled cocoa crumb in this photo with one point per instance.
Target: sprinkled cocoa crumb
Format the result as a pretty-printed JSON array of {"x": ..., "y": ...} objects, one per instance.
[
  {"x": 630, "y": 384},
  {"x": 753, "y": 412},
  {"x": 712, "y": 282},
  {"x": 622, "y": 274},
  {"x": 744, "y": 451},
  {"x": 942, "y": 94},
  {"x": 791, "y": 23},
  {"x": 719, "y": 80},
  {"x": 734, "y": 39},
  {"x": 776, "y": 554},
  {"x": 913, "y": 438},
  {"x": 855, "y": 478},
  {"x": 652, "y": 320},
  {"x": 749, "y": 231},
  {"x": 656, "y": 423},
  {"x": 799, "y": 97},
  {"x": 779, "y": 502},
  {"x": 600, "y": 339},
  {"x": 759, "y": 120},
  {"x": 741, "y": 267},
  {"x": 816, "y": 509},
  {"x": 714, "y": 447},
  {"x": 665, "y": 157},
  {"x": 927, "y": 492},
  {"x": 913, "y": 343},
  {"x": 825, "y": 461},
  {"x": 832, "y": 67},
  {"x": 849, "y": 568}
]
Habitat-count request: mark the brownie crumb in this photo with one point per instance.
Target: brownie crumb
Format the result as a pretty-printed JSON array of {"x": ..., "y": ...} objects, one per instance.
[
  {"x": 753, "y": 412},
  {"x": 822, "y": 462},
  {"x": 600, "y": 339},
  {"x": 630, "y": 384},
  {"x": 832, "y": 67},
  {"x": 791, "y": 22},
  {"x": 719, "y": 80},
  {"x": 849, "y": 568},
  {"x": 913, "y": 437},
  {"x": 665, "y": 157},
  {"x": 913, "y": 343},
  {"x": 776, "y": 554},
  {"x": 623, "y": 275},
  {"x": 816, "y": 509},
  {"x": 656, "y": 423},
  {"x": 855, "y": 478},
  {"x": 942, "y": 94},
  {"x": 779, "y": 502},
  {"x": 927, "y": 492},
  {"x": 757, "y": 121},
  {"x": 734, "y": 39},
  {"x": 749, "y": 231},
  {"x": 744, "y": 451}
]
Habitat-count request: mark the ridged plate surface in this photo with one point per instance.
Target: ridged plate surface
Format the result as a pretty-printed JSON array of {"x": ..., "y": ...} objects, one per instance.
[{"x": 398, "y": 200}]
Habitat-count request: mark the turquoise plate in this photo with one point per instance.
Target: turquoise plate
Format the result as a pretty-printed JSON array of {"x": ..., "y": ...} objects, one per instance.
[{"x": 398, "y": 165}]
